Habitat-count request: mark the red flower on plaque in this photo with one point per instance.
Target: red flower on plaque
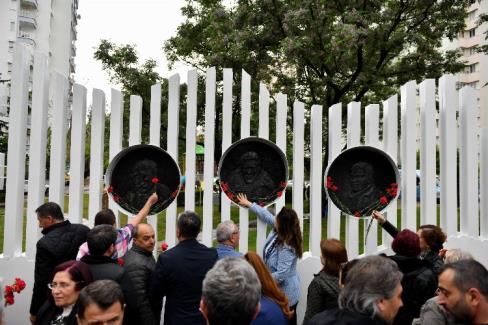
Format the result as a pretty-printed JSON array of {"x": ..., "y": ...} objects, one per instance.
[
  {"x": 261, "y": 204},
  {"x": 110, "y": 189},
  {"x": 155, "y": 180},
  {"x": 174, "y": 193},
  {"x": 164, "y": 246},
  {"x": 224, "y": 186},
  {"x": 329, "y": 183},
  {"x": 357, "y": 214},
  {"x": 8, "y": 290},
  {"x": 279, "y": 194},
  {"x": 384, "y": 200},
  {"x": 17, "y": 287},
  {"x": 334, "y": 188},
  {"x": 231, "y": 196},
  {"x": 283, "y": 184},
  {"x": 116, "y": 198},
  {"x": 120, "y": 261}
]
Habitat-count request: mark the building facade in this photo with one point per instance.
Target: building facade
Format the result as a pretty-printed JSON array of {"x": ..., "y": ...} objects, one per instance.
[{"x": 48, "y": 26}]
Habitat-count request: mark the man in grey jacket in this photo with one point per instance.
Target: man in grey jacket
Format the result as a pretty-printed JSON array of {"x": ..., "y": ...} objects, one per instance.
[{"x": 139, "y": 265}]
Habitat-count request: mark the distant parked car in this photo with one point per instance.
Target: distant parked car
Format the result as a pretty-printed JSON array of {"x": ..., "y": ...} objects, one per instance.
[{"x": 418, "y": 177}]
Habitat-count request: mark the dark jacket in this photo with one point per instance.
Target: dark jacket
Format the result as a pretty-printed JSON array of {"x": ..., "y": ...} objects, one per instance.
[
  {"x": 139, "y": 265},
  {"x": 270, "y": 313},
  {"x": 418, "y": 283},
  {"x": 322, "y": 295},
  {"x": 48, "y": 312},
  {"x": 343, "y": 317},
  {"x": 59, "y": 244},
  {"x": 434, "y": 260},
  {"x": 179, "y": 275}
]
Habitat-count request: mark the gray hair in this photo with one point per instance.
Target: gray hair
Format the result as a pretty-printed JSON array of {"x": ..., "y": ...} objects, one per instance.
[
  {"x": 454, "y": 255},
  {"x": 225, "y": 230},
  {"x": 231, "y": 292},
  {"x": 372, "y": 278}
]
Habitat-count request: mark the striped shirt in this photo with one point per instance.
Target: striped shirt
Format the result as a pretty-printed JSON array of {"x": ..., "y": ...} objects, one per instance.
[{"x": 124, "y": 236}]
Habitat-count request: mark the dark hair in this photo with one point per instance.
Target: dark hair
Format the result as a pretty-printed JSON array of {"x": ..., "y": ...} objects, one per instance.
[
  {"x": 100, "y": 238},
  {"x": 468, "y": 274},
  {"x": 344, "y": 270},
  {"x": 334, "y": 253},
  {"x": 189, "y": 224},
  {"x": 289, "y": 230},
  {"x": 78, "y": 271},
  {"x": 433, "y": 236},
  {"x": 103, "y": 293},
  {"x": 105, "y": 217},
  {"x": 406, "y": 243},
  {"x": 50, "y": 209}
]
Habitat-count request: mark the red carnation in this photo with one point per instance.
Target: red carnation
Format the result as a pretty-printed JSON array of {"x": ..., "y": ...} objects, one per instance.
[
  {"x": 116, "y": 198},
  {"x": 9, "y": 300},
  {"x": 20, "y": 283},
  {"x": 357, "y": 214},
  {"x": 279, "y": 194},
  {"x": 329, "y": 182},
  {"x": 283, "y": 184},
  {"x": 164, "y": 246},
  {"x": 120, "y": 261},
  {"x": 261, "y": 204},
  {"x": 230, "y": 195},
  {"x": 224, "y": 186},
  {"x": 110, "y": 189},
  {"x": 174, "y": 194},
  {"x": 334, "y": 188},
  {"x": 155, "y": 180},
  {"x": 8, "y": 290},
  {"x": 383, "y": 200}
]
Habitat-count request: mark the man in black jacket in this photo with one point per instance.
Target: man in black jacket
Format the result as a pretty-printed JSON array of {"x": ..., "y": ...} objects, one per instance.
[
  {"x": 59, "y": 244},
  {"x": 180, "y": 272},
  {"x": 139, "y": 265}
]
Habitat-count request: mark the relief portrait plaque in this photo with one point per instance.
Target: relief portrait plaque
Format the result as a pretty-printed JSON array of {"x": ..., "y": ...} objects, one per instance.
[
  {"x": 362, "y": 179},
  {"x": 138, "y": 171},
  {"x": 255, "y": 167}
]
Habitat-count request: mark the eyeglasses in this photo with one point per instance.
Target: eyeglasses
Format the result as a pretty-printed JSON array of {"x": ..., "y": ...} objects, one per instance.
[{"x": 62, "y": 285}]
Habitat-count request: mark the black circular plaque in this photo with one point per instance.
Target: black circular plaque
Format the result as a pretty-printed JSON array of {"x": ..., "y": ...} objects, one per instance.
[
  {"x": 362, "y": 179},
  {"x": 255, "y": 167},
  {"x": 137, "y": 172}
]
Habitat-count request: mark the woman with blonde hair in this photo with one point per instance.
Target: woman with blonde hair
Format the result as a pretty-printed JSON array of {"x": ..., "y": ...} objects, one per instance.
[{"x": 274, "y": 303}]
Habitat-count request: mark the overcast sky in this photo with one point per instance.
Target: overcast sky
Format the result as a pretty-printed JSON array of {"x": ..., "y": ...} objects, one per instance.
[{"x": 145, "y": 23}]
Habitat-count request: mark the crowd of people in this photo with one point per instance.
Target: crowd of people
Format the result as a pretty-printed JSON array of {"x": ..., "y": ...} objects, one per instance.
[{"x": 108, "y": 275}]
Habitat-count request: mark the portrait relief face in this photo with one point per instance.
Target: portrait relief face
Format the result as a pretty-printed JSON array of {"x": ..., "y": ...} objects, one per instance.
[
  {"x": 360, "y": 177},
  {"x": 142, "y": 174},
  {"x": 250, "y": 170}
]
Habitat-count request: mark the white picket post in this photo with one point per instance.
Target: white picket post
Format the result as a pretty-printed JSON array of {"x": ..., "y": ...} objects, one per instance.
[
  {"x": 2, "y": 171},
  {"x": 315, "y": 180},
  {"x": 484, "y": 182},
  {"x": 281, "y": 136},
  {"x": 245, "y": 132},
  {"x": 116, "y": 130},
  {"x": 96, "y": 154},
  {"x": 263, "y": 132},
  {"x": 468, "y": 154},
  {"x": 58, "y": 140},
  {"x": 226, "y": 134},
  {"x": 208, "y": 164},
  {"x": 334, "y": 146},
  {"x": 353, "y": 140},
  {"x": 172, "y": 149},
  {"x": 390, "y": 145},
  {"x": 77, "y": 154},
  {"x": 14, "y": 198},
  {"x": 135, "y": 120},
  {"x": 155, "y": 139},
  {"x": 428, "y": 180},
  {"x": 448, "y": 102},
  {"x": 371, "y": 138},
  {"x": 298, "y": 159},
  {"x": 191, "y": 125},
  {"x": 38, "y": 142},
  {"x": 409, "y": 155}
]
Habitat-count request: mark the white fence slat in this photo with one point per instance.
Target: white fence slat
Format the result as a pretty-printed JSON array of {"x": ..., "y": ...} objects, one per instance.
[
  {"x": 245, "y": 132},
  {"x": 468, "y": 152},
  {"x": 281, "y": 136},
  {"x": 315, "y": 180},
  {"x": 115, "y": 141},
  {"x": 38, "y": 142},
  {"x": 172, "y": 149},
  {"x": 298, "y": 159},
  {"x": 208, "y": 164},
  {"x": 428, "y": 180},
  {"x": 334, "y": 147},
  {"x": 226, "y": 134},
  {"x": 409, "y": 155},
  {"x": 77, "y": 155},
  {"x": 191, "y": 125},
  {"x": 263, "y": 132},
  {"x": 58, "y": 140},
  {"x": 2, "y": 171},
  {"x": 484, "y": 182},
  {"x": 155, "y": 120},
  {"x": 390, "y": 145},
  {"x": 353, "y": 140},
  {"x": 96, "y": 154},
  {"x": 371, "y": 138},
  {"x": 14, "y": 198},
  {"x": 135, "y": 120},
  {"x": 448, "y": 102}
]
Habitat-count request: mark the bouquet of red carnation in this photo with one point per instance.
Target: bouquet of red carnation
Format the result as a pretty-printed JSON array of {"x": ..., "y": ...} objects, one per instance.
[{"x": 17, "y": 287}]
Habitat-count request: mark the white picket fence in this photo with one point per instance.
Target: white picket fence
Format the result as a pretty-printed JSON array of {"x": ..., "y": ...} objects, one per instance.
[{"x": 451, "y": 133}]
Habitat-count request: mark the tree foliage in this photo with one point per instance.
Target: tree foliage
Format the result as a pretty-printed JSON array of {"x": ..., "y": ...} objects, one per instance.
[{"x": 322, "y": 51}]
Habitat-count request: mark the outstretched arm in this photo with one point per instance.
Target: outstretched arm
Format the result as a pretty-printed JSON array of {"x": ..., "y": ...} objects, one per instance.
[
  {"x": 261, "y": 212},
  {"x": 385, "y": 224},
  {"x": 145, "y": 210}
]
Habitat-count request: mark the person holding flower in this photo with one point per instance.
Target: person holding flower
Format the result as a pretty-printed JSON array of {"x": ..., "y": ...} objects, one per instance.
[{"x": 282, "y": 249}]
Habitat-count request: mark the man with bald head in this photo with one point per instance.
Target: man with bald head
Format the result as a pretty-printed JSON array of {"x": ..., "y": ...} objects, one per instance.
[{"x": 139, "y": 265}]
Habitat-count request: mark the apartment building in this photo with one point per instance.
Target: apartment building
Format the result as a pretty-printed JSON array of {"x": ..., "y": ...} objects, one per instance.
[{"x": 48, "y": 26}]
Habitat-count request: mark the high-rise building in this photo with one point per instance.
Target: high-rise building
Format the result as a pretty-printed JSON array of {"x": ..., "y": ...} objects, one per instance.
[
  {"x": 48, "y": 26},
  {"x": 476, "y": 72}
]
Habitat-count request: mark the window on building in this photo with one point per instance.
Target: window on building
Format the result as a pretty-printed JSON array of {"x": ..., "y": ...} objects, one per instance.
[
  {"x": 472, "y": 32},
  {"x": 472, "y": 68}
]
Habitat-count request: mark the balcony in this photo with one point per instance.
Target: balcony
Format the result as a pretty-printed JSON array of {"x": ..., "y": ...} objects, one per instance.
[
  {"x": 30, "y": 3},
  {"x": 27, "y": 19},
  {"x": 26, "y": 38}
]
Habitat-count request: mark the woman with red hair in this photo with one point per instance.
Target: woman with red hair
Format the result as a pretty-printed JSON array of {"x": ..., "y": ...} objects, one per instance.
[{"x": 274, "y": 303}]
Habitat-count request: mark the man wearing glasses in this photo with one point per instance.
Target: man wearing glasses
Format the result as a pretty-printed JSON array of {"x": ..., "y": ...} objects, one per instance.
[{"x": 228, "y": 239}]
